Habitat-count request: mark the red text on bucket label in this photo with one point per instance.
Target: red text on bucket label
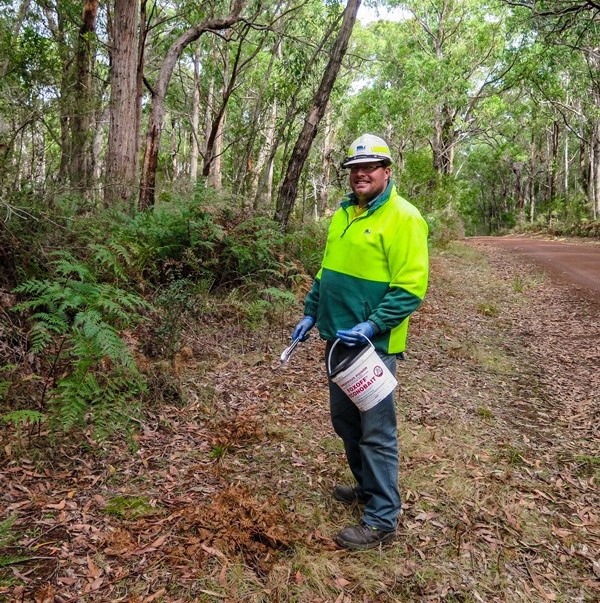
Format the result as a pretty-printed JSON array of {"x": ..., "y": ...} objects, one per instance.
[{"x": 361, "y": 386}]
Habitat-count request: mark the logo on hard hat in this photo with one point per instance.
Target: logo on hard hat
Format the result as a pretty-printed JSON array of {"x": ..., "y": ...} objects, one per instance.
[{"x": 360, "y": 147}]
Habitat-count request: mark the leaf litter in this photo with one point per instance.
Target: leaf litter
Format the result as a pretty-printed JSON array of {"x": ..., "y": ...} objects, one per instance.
[{"x": 224, "y": 493}]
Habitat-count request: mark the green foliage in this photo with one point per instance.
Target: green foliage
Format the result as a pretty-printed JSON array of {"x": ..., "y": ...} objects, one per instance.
[
  {"x": 589, "y": 465},
  {"x": 4, "y": 387},
  {"x": 306, "y": 243},
  {"x": 256, "y": 312},
  {"x": 21, "y": 418},
  {"x": 180, "y": 240},
  {"x": 268, "y": 306},
  {"x": 487, "y": 309},
  {"x": 7, "y": 538},
  {"x": 176, "y": 240},
  {"x": 7, "y": 560},
  {"x": 252, "y": 250},
  {"x": 130, "y": 507},
  {"x": 218, "y": 451},
  {"x": 278, "y": 297},
  {"x": 7, "y": 535},
  {"x": 485, "y": 413},
  {"x": 518, "y": 284},
  {"x": 175, "y": 302},
  {"x": 78, "y": 322},
  {"x": 444, "y": 226},
  {"x": 512, "y": 455}
]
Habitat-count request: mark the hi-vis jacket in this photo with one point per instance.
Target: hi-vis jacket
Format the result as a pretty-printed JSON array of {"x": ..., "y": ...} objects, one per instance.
[{"x": 375, "y": 267}]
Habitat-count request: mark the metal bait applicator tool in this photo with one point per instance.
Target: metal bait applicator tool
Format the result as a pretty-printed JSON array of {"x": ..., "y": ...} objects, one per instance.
[{"x": 285, "y": 355}]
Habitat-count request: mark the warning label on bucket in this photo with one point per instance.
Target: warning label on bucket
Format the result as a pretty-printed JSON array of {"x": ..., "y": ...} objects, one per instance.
[
  {"x": 361, "y": 385},
  {"x": 366, "y": 381}
]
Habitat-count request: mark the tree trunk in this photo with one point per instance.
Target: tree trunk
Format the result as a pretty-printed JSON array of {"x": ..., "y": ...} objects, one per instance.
[
  {"x": 139, "y": 80},
  {"x": 215, "y": 173},
  {"x": 444, "y": 140},
  {"x": 82, "y": 135},
  {"x": 531, "y": 186},
  {"x": 121, "y": 159},
  {"x": 262, "y": 184},
  {"x": 215, "y": 121},
  {"x": 287, "y": 194},
  {"x": 566, "y": 162},
  {"x": 594, "y": 171},
  {"x": 249, "y": 171},
  {"x": 230, "y": 75},
  {"x": 323, "y": 184},
  {"x": 519, "y": 192},
  {"x": 155, "y": 120},
  {"x": 553, "y": 140},
  {"x": 195, "y": 121},
  {"x": 55, "y": 24}
]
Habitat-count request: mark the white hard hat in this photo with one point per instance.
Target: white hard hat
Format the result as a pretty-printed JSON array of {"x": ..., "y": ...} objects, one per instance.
[{"x": 366, "y": 149}]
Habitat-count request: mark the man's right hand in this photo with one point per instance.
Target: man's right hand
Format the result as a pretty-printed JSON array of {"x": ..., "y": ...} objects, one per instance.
[{"x": 302, "y": 328}]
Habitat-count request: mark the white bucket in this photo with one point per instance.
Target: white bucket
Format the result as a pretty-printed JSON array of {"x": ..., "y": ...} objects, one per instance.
[{"x": 367, "y": 381}]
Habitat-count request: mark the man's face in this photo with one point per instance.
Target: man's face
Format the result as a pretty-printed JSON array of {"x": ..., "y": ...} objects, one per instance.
[{"x": 367, "y": 180}]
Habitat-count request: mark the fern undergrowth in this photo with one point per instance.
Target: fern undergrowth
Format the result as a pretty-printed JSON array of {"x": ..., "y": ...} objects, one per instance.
[{"x": 77, "y": 330}]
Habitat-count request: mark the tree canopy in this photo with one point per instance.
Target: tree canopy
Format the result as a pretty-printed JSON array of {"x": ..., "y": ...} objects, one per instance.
[{"x": 118, "y": 103}]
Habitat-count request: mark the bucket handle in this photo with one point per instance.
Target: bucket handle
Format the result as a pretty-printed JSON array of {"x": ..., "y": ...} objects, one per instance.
[{"x": 338, "y": 341}]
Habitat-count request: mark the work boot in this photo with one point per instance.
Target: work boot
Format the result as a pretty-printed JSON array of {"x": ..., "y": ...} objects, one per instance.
[
  {"x": 349, "y": 495},
  {"x": 363, "y": 537}
]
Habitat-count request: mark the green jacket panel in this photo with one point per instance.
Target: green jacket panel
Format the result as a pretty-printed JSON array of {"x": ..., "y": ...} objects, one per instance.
[{"x": 374, "y": 268}]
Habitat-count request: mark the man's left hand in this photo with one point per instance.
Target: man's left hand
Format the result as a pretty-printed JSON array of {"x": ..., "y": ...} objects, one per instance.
[{"x": 357, "y": 335}]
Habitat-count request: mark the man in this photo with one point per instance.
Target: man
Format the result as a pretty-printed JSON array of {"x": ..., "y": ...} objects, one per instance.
[{"x": 373, "y": 276}]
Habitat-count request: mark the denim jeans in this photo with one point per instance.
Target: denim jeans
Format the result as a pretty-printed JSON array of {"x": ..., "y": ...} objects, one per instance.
[{"x": 371, "y": 445}]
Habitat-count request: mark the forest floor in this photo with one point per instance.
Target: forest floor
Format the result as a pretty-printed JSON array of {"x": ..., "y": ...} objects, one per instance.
[{"x": 224, "y": 494}]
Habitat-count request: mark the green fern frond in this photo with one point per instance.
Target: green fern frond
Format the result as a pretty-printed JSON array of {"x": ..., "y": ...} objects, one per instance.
[
  {"x": 55, "y": 323},
  {"x": 119, "y": 404},
  {"x": 114, "y": 348},
  {"x": 113, "y": 257},
  {"x": 19, "y": 418},
  {"x": 89, "y": 321},
  {"x": 279, "y": 295},
  {"x": 4, "y": 387},
  {"x": 109, "y": 404},
  {"x": 103, "y": 256},
  {"x": 67, "y": 266},
  {"x": 70, "y": 404},
  {"x": 80, "y": 292},
  {"x": 113, "y": 309},
  {"x": 121, "y": 252},
  {"x": 40, "y": 337},
  {"x": 98, "y": 369},
  {"x": 35, "y": 288}
]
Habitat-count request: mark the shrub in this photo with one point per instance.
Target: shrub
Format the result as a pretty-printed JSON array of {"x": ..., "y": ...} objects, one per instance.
[
  {"x": 444, "y": 226},
  {"x": 252, "y": 250},
  {"x": 77, "y": 328},
  {"x": 305, "y": 245}
]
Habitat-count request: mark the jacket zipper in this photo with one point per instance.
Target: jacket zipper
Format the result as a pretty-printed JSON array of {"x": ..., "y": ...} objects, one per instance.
[{"x": 352, "y": 221}]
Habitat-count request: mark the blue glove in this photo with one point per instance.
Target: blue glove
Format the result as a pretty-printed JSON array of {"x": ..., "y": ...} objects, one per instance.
[
  {"x": 356, "y": 336},
  {"x": 303, "y": 327}
]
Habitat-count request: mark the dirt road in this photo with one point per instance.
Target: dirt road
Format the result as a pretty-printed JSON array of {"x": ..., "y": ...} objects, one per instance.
[{"x": 577, "y": 263}]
